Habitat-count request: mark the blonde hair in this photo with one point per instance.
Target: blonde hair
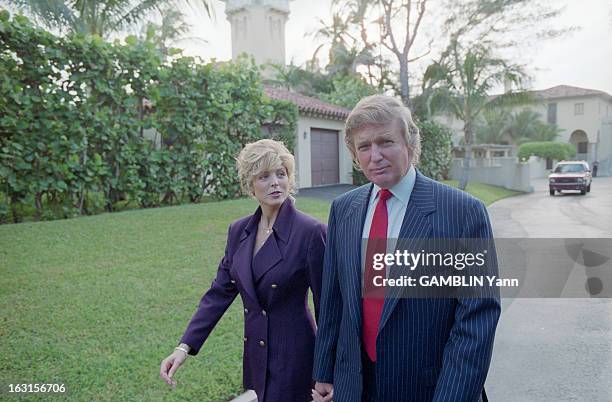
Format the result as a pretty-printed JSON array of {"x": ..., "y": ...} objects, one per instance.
[
  {"x": 381, "y": 110},
  {"x": 261, "y": 156}
]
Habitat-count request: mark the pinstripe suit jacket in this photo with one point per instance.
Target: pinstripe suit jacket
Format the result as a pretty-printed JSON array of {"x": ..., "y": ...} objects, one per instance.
[{"x": 427, "y": 349}]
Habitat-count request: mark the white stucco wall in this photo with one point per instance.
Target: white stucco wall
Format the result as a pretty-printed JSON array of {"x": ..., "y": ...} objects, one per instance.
[
  {"x": 302, "y": 150},
  {"x": 505, "y": 172},
  {"x": 569, "y": 122}
]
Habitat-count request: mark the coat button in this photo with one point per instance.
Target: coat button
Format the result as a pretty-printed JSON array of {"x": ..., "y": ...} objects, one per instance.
[
  {"x": 233, "y": 281},
  {"x": 245, "y": 338},
  {"x": 263, "y": 312},
  {"x": 246, "y": 311},
  {"x": 274, "y": 286},
  {"x": 262, "y": 343}
]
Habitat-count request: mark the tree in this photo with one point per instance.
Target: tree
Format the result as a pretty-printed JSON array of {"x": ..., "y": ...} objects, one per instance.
[
  {"x": 169, "y": 31},
  {"x": 507, "y": 23},
  {"x": 96, "y": 17},
  {"x": 333, "y": 34},
  {"x": 411, "y": 12},
  {"x": 345, "y": 61},
  {"x": 298, "y": 79},
  {"x": 463, "y": 85},
  {"x": 499, "y": 126},
  {"x": 492, "y": 127},
  {"x": 348, "y": 90},
  {"x": 350, "y": 46}
]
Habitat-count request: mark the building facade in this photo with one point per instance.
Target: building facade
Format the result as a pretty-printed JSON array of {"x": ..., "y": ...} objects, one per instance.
[
  {"x": 583, "y": 116},
  {"x": 322, "y": 158}
]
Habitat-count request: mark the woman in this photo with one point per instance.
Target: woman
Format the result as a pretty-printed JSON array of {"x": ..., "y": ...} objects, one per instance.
[{"x": 272, "y": 257}]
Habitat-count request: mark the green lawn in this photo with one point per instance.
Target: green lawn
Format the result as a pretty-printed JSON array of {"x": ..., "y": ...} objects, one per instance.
[
  {"x": 488, "y": 194},
  {"x": 97, "y": 302}
]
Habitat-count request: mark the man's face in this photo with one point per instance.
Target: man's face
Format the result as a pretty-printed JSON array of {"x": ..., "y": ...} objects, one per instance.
[{"x": 382, "y": 154}]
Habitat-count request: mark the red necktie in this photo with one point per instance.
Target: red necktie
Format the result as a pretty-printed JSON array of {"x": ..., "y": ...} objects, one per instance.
[{"x": 374, "y": 297}]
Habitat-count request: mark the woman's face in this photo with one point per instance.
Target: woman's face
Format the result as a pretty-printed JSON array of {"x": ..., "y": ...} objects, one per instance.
[{"x": 271, "y": 187}]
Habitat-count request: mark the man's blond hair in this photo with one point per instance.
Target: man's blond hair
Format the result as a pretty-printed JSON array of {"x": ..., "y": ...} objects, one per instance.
[{"x": 382, "y": 110}]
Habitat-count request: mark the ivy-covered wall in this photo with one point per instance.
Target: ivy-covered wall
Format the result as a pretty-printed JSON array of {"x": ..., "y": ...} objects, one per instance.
[{"x": 73, "y": 112}]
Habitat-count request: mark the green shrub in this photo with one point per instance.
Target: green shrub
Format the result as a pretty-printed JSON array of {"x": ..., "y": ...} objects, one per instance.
[
  {"x": 73, "y": 112},
  {"x": 546, "y": 150},
  {"x": 436, "y": 145}
]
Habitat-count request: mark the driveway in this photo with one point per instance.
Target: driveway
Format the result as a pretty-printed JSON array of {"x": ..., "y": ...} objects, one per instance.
[{"x": 553, "y": 349}]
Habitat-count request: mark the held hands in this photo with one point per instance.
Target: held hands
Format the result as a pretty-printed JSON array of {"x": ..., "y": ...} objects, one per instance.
[
  {"x": 323, "y": 392},
  {"x": 170, "y": 364}
]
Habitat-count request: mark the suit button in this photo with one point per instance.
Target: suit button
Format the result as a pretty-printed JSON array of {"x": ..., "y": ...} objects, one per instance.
[
  {"x": 263, "y": 312},
  {"x": 245, "y": 338},
  {"x": 246, "y": 311},
  {"x": 274, "y": 286},
  {"x": 233, "y": 281},
  {"x": 262, "y": 343}
]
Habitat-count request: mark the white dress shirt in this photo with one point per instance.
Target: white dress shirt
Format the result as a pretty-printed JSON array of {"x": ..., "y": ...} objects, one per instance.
[{"x": 396, "y": 209}]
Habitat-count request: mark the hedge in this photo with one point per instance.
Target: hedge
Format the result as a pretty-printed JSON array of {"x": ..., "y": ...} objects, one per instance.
[
  {"x": 74, "y": 112},
  {"x": 546, "y": 150}
]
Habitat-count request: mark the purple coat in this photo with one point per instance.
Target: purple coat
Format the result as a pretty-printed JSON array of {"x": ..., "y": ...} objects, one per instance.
[{"x": 279, "y": 330}]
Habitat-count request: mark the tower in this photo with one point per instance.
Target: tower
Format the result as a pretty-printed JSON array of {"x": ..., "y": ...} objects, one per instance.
[{"x": 258, "y": 28}]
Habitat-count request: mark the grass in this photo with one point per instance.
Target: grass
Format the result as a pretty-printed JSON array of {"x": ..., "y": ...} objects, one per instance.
[
  {"x": 97, "y": 302},
  {"x": 488, "y": 194}
]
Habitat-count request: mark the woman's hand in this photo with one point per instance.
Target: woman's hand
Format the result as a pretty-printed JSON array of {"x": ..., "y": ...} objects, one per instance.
[{"x": 169, "y": 366}]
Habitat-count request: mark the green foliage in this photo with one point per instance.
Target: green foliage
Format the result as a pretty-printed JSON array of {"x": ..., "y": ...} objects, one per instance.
[
  {"x": 547, "y": 150},
  {"x": 499, "y": 126},
  {"x": 74, "y": 112},
  {"x": 436, "y": 145},
  {"x": 348, "y": 90},
  {"x": 99, "y": 17}
]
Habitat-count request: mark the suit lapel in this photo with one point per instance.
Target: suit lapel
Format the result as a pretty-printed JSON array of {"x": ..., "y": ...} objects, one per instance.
[
  {"x": 352, "y": 227},
  {"x": 416, "y": 225}
]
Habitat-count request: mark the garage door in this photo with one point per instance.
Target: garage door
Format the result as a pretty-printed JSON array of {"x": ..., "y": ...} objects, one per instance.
[{"x": 324, "y": 156}]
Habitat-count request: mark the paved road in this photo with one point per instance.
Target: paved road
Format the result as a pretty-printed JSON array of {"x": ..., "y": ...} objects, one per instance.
[{"x": 554, "y": 349}]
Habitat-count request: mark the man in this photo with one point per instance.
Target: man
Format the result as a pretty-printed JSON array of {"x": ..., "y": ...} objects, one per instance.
[{"x": 394, "y": 349}]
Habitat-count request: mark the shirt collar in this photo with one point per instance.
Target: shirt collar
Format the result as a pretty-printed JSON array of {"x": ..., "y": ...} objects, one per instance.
[{"x": 402, "y": 189}]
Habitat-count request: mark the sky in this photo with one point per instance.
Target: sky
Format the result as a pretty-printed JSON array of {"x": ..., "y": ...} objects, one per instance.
[{"x": 582, "y": 58}]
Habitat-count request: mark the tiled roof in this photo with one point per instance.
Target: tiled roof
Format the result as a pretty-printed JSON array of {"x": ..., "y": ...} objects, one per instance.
[
  {"x": 566, "y": 91},
  {"x": 308, "y": 105}
]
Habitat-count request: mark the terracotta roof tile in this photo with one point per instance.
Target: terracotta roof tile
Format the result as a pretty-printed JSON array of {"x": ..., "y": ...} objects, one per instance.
[{"x": 308, "y": 105}]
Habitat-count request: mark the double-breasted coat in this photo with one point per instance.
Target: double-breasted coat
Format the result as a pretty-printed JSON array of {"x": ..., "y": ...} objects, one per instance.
[{"x": 279, "y": 329}]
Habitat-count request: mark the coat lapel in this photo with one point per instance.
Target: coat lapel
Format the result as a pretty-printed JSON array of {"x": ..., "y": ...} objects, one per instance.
[
  {"x": 271, "y": 253},
  {"x": 352, "y": 225},
  {"x": 243, "y": 257},
  {"x": 416, "y": 225}
]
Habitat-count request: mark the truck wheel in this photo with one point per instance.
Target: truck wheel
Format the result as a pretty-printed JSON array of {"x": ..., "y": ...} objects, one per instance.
[
  {"x": 552, "y": 192},
  {"x": 582, "y": 192},
  {"x": 589, "y": 189}
]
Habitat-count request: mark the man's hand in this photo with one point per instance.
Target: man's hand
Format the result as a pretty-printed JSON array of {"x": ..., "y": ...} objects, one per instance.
[{"x": 323, "y": 392}]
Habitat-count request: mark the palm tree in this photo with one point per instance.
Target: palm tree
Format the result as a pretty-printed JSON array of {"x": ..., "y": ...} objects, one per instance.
[
  {"x": 493, "y": 127},
  {"x": 333, "y": 34},
  {"x": 345, "y": 61},
  {"x": 171, "y": 30},
  {"x": 290, "y": 77},
  {"x": 99, "y": 17},
  {"x": 527, "y": 126},
  {"x": 464, "y": 81}
]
